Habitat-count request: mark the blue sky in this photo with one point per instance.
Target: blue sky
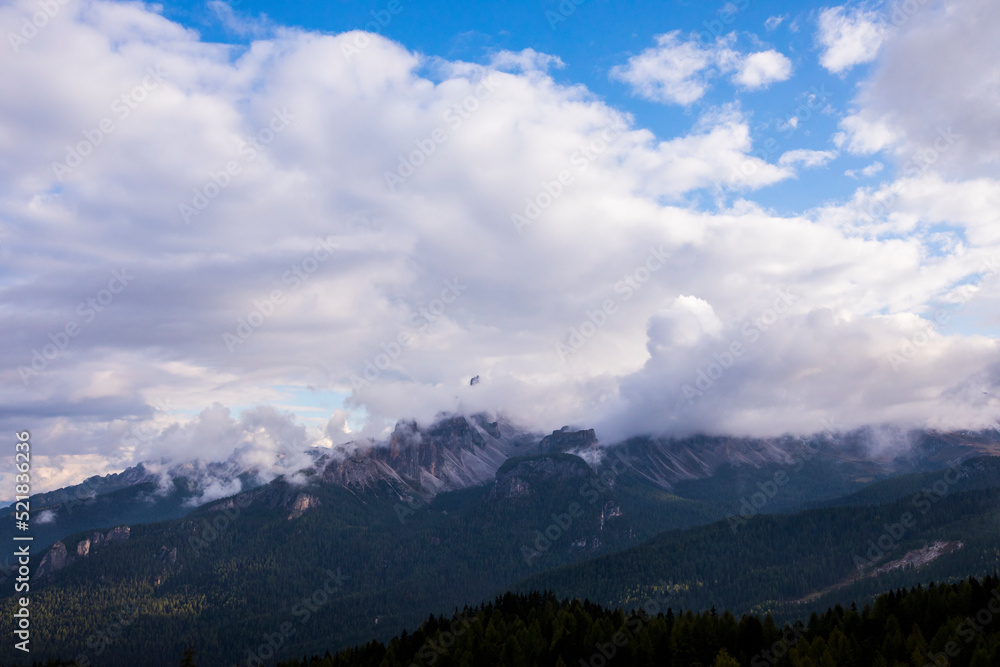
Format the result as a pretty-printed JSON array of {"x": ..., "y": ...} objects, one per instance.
[
  {"x": 591, "y": 40},
  {"x": 266, "y": 226}
]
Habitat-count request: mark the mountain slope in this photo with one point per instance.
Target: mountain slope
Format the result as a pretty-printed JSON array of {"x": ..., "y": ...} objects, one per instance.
[
  {"x": 233, "y": 571},
  {"x": 773, "y": 562}
]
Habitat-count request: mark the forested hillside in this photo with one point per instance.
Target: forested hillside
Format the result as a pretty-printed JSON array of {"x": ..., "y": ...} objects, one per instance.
[
  {"x": 953, "y": 624},
  {"x": 788, "y": 564},
  {"x": 328, "y": 567}
]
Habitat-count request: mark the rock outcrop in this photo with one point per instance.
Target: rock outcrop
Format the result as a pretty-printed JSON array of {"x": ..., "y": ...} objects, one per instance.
[
  {"x": 55, "y": 559},
  {"x": 453, "y": 453},
  {"x": 302, "y": 502},
  {"x": 59, "y": 557}
]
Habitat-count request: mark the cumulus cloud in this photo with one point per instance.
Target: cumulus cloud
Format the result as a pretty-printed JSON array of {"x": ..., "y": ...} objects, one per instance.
[
  {"x": 934, "y": 96},
  {"x": 716, "y": 152},
  {"x": 684, "y": 323},
  {"x": 777, "y": 372},
  {"x": 351, "y": 249},
  {"x": 863, "y": 135},
  {"x": 759, "y": 70},
  {"x": 679, "y": 70},
  {"x": 674, "y": 71},
  {"x": 849, "y": 37}
]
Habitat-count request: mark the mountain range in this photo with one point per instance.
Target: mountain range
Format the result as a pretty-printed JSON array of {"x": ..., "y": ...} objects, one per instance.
[{"x": 371, "y": 538}]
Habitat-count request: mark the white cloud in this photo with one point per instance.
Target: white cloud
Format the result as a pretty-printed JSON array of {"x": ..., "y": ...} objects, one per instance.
[
  {"x": 718, "y": 152},
  {"x": 934, "y": 95},
  {"x": 679, "y": 71},
  {"x": 798, "y": 364},
  {"x": 805, "y": 157},
  {"x": 684, "y": 324},
  {"x": 526, "y": 60},
  {"x": 759, "y": 70},
  {"x": 866, "y": 172},
  {"x": 849, "y": 37},
  {"x": 864, "y": 136},
  {"x": 675, "y": 71},
  {"x": 237, "y": 23},
  {"x": 773, "y": 22}
]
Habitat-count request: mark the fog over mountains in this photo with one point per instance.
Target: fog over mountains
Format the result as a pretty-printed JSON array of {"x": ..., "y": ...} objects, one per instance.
[
  {"x": 487, "y": 506},
  {"x": 458, "y": 452}
]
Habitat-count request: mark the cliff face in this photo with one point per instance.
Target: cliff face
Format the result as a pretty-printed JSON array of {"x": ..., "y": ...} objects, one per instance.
[
  {"x": 54, "y": 560},
  {"x": 454, "y": 453},
  {"x": 58, "y": 556},
  {"x": 568, "y": 440},
  {"x": 664, "y": 462},
  {"x": 302, "y": 502}
]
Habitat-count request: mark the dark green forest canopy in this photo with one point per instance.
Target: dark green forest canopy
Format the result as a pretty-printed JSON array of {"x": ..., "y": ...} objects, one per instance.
[
  {"x": 227, "y": 591},
  {"x": 954, "y": 624}
]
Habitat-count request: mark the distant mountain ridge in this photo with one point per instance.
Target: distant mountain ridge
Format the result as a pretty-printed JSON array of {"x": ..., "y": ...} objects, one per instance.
[
  {"x": 454, "y": 512},
  {"x": 458, "y": 452},
  {"x": 454, "y": 453}
]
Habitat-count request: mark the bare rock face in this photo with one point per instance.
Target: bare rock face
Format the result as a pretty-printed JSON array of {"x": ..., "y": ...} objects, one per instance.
[
  {"x": 83, "y": 548},
  {"x": 665, "y": 461},
  {"x": 455, "y": 452},
  {"x": 56, "y": 559},
  {"x": 302, "y": 502},
  {"x": 567, "y": 440},
  {"x": 58, "y": 556},
  {"x": 86, "y": 545}
]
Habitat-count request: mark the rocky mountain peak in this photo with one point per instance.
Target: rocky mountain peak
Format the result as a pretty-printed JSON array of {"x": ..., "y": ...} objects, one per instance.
[
  {"x": 453, "y": 453},
  {"x": 567, "y": 439},
  {"x": 523, "y": 477}
]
